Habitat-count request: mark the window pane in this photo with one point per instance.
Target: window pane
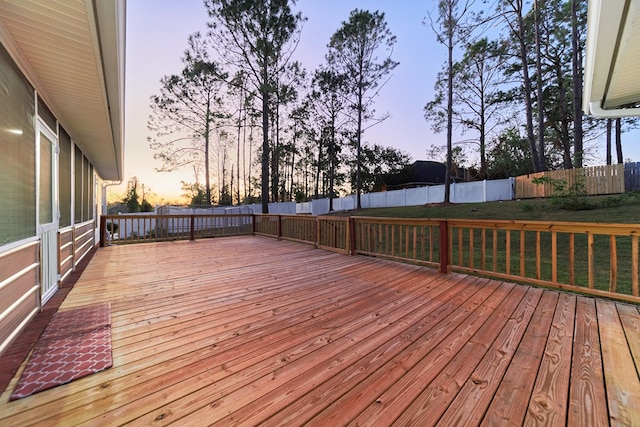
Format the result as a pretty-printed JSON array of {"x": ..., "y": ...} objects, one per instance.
[
  {"x": 65, "y": 179},
  {"x": 86, "y": 185},
  {"x": 46, "y": 115},
  {"x": 91, "y": 201},
  {"x": 18, "y": 159},
  {"x": 78, "y": 185},
  {"x": 46, "y": 179}
]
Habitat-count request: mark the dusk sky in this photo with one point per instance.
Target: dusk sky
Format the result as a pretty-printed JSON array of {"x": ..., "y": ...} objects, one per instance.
[{"x": 157, "y": 32}]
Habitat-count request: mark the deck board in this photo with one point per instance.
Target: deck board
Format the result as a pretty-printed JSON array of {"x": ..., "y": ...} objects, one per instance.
[{"x": 251, "y": 330}]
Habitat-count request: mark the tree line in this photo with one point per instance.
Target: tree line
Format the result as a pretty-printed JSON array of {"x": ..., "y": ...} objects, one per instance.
[
  {"x": 242, "y": 103},
  {"x": 241, "y": 100},
  {"x": 516, "y": 94}
]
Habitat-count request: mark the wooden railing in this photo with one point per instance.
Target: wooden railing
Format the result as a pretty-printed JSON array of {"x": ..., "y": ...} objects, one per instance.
[
  {"x": 593, "y": 258},
  {"x": 596, "y": 258},
  {"x": 122, "y": 229},
  {"x": 334, "y": 233},
  {"x": 267, "y": 225},
  {"x": 414, "y": 240}
]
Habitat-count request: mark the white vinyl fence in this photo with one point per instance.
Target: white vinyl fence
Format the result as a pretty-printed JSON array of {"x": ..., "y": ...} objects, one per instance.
[{"x": 466, "y": 192}]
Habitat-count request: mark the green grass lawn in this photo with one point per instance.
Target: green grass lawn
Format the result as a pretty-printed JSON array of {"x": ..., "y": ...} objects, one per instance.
[{"x": 622, "y": 209}]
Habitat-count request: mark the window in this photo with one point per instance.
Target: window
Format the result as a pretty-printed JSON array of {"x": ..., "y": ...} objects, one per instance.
[
  {"x": 78, "y": 174},
  {"x": 17, "y": 145},
  {"x": 65, "y": 178},
  {"x": 87, "y": 193}
]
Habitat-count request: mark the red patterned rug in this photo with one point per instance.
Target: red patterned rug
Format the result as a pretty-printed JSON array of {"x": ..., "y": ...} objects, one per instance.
[{"x": 75, "y": 343}]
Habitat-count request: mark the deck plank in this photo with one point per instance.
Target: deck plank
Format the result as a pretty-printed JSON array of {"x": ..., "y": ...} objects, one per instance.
[
  {"x": 251, "y": 330},
  {"x": 621, "y": 376},
  {"x": 587, "y": 400},
  {"x": 472, "y": 401},
  {"x": 548, "y": 403},
  {"x": 510, "y": 403}
]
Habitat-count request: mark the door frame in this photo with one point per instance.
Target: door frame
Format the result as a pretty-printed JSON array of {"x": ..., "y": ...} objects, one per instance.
[{"x": 48, "y": 232}]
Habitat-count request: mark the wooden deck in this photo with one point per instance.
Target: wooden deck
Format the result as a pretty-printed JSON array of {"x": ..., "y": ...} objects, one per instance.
[{"x": 251, "y": 330}]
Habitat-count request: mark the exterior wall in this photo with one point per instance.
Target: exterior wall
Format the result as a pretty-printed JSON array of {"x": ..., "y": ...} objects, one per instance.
[
  {"x": 19, "y": 289},
  {"x": 21, "y": 258}
]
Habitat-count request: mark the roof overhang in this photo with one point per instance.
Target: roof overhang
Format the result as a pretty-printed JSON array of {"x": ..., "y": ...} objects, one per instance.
[
  {"x": 73, "y": 53},
  {"x": 612, "y": 61}
]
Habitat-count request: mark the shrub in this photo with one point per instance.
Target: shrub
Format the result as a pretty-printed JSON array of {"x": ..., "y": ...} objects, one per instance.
[{"x": 572, "y": 198}]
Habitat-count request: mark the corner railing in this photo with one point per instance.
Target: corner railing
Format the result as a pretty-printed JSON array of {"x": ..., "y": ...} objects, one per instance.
[
  {"x": 592, "y": 258},
  {"x": 124, "y": 229}
]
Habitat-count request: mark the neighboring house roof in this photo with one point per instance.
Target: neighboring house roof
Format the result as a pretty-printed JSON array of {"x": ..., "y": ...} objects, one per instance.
[
  {"x": 612, "y": 60},
  {"x": 419, "y": 173},
  {"x": 73, "y": 53}
]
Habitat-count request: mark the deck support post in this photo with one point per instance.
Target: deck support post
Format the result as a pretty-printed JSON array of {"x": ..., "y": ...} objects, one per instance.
[
  {"x": 444, "y": 247},
  {"x": 193, "y": 227}
]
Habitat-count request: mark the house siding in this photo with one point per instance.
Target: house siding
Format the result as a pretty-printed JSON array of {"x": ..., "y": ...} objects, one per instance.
[{"x": 21, "y": 255}]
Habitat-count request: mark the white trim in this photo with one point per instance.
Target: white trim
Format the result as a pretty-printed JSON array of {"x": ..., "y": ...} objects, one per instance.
[
  {"x": 12, "y": 247},
  {"x": 597, "y": 111}
]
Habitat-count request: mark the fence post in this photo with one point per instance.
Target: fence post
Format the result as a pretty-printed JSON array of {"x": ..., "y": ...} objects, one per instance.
[
  {"x": 317, "y": 231},
  {"x": 444, "y": 247},
  {"x": 193, "y": 227},
  {"x": 103, "y": 231}
]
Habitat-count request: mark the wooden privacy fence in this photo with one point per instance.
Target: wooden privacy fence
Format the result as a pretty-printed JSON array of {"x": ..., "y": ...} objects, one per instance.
[
  {"x": 593, "y": 258},
  {"x": 593, "y": 180}
]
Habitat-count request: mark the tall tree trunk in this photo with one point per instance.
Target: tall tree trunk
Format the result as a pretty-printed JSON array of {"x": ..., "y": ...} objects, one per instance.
[
  {"x": 450, "y": 35},
  {"x": 359, "y": 150},
  {"x": 275, "y": 155},
  {"x": 319, "y": 168},
  {"x": 564, "y": 130},
  {"x": 576, "y": 66},
  {"x": 238, "y": 151},
  {"x": 619, "y": 140},
  {"x": 244, "y": 156},
  {"x": 332, "y": 153},
  {"x": 265, "y": 152},
  {"x": 526, "y": 80},
  {"x": 207, "y": 140},
  {"x": 608, "y": 155},
  {"x": 541, "y": 147},
  {"x": 483, "y": 130}
]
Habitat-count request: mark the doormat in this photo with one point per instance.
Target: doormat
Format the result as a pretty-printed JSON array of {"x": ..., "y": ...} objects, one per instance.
[{"x": 75, "y": 343}]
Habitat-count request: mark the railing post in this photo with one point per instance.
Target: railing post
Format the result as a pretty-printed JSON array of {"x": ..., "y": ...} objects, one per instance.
[
  {"x": 351, "y": 232},
  {"x": 444, "y": 247},
  {"x": 193, "y": 227},
  {"x": 103, "y": 231},
  {"x": 279, "y": 227},
  {"x": 253, "y": 224},
  {"x": 317, "y": 236}
]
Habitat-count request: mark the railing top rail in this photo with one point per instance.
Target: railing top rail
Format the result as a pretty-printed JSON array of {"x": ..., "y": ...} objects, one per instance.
[
  {"x": 562, "y": 227},
  {"x": 403, "y": 221},
  {"x": 332, "y": 218},
  {"x": 165, "y": 216}
]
